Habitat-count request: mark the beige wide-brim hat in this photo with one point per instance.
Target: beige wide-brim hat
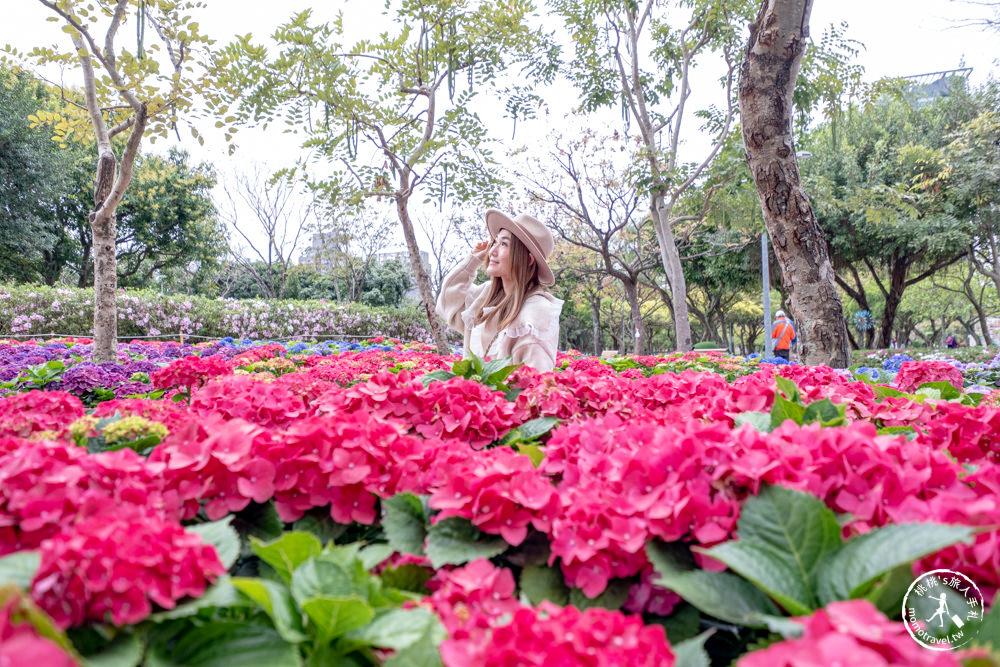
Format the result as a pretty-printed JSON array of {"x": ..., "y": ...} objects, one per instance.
[{"x": 532, "y": 233}]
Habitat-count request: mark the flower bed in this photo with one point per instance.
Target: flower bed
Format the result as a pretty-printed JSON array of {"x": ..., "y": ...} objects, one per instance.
[
  {"x": 42, "y": 310},
  {"x": 292, "y": 503}
]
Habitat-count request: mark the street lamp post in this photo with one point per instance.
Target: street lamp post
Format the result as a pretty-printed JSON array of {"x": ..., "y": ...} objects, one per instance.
[
  {"x": 766, "y": 280},
  {"x": 766, "y": 277}
]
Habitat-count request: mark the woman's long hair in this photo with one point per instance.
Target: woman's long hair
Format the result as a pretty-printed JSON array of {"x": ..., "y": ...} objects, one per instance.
[{"x": 523, "y": 280}]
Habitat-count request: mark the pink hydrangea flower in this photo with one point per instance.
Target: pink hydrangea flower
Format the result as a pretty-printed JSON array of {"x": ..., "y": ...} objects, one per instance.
[
  {"x": 553, "y": 636},
  {"x": 30, "y": 412},
  {"x": 912, "y": 374},
  {"x": 472, "y": 597},
  {"x": 190, "y": 372},
  {"x": 20, "y": 644},
  {"x": 118, "y": 566},
  {"x": 855, "y": 633},
  {"x": 500, "y": 492},
  {"x": 47, "y": 486}
]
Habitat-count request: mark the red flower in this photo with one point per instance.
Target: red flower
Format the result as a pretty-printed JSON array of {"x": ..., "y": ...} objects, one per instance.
[
  {"x": 500, "y": 491},
  {"x": 551, "y": 635},
  {"x": 458, "y": 409},
  {"x": 119, "y": 566},
  {"x": 269, "y": 351},
  {"x": 20, "y": 644},
  {"x": 46, "y": 487},
  {"x": 854, "y": 632},
  {"x": 912, "y": 374},
  {"x": 38, "y": 411},
  {"x": 190, "y": 372},
  {"x": 221, "y": 463},
  {"x": 473, "y": 596},
  {"x": 342, "y": 460},
  {"x": 267, "y": 404}
]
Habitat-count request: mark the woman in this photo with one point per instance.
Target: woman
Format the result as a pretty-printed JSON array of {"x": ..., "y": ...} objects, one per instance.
[{"x": 511, "y": 315}]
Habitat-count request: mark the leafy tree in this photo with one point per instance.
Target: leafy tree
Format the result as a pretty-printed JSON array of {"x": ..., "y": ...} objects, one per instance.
[
  {"x": 306, "y": 282},
  {"x": 167, "y": 221},
  {"x": 390, "y": 95},
  {"x": 583, "y": 284},
  {"x": 345, "y": 245},
  {"x": 889, "y": 206},
  {"x": 32, "y": 176},
  {"x": 386, "y": 284},
  {"x": 973, "y": 156},
  {"x": 123, "y": 91},
  {"x": 723, "y": 269},
  {"x": 615, "y": 44}
]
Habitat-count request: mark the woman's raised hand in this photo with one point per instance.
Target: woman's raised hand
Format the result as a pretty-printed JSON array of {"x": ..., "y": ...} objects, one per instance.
[{"x": 480, "y": 247}]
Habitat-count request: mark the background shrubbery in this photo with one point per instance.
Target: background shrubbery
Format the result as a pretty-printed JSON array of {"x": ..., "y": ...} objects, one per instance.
[{"x": 33, "y": 309}]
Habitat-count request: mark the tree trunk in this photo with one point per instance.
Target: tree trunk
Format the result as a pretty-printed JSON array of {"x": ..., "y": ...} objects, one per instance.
[
  {"x": 850, "y": 338},
  {"x": 671, "y": 258},
  {"x": 595, "y": 317},
  {"x": 104, "y": 233},
  {"x": 422, "y": 279},
  {"x": 893, "y": 298},
  {"x": 767, "y": 80},
  {"x": 977, "y": 303},
  {"x": 85, "y": 278},
  {"x": 632, "y": 296}
]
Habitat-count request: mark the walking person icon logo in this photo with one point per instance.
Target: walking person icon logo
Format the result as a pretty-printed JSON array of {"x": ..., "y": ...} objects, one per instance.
[{"x": 943, "y": 610}]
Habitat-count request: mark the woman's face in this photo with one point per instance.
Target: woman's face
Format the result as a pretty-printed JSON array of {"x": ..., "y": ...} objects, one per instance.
[{"x": 499, "y": 256}]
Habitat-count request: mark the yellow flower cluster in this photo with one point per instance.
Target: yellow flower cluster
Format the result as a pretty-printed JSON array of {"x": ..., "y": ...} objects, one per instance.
[{"x": 129, "y": 429}]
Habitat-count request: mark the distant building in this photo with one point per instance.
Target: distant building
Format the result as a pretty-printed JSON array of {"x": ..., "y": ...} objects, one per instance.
[
  {"x": 321, "y": 253},
  {"x": 403, "y": 256},
  {"x": 925, "y": 88}
]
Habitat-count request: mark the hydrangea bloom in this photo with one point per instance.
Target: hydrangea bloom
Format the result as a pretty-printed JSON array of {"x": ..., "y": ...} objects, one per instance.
[
  {"x": 220, "y": 463},
  {"x": 264, "y": 403},
  {"x": 457, "y": 409},
  {"x": 550, "y": 635},
  {"x": 118, "y": 566},
  {"x": 20, "y": 643},
  {"x": 190, "y": 372},
  {"x": 38, "y": 411},
  {"x": 869, "y": 372},
  {"x": 624, "y": 482},
  {"x": 343, "y": 460},
  {"x": 854, "y": 632},
  {"x": 912, "y": 374},
  {"x": 472, "y": 597},
  {"x": 894, "y": 362},
  {"x": 500, "y": 492},
  {"x": 46, "y": 487}
]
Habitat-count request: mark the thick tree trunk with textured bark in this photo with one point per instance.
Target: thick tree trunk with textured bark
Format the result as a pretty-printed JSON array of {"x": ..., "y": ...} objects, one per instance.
[
  {"x": 671, "y": 257},
  {"x": 767, "y": 80},
  {"x": 104, "y": 232},
  {"x": 419, "y": 273}
]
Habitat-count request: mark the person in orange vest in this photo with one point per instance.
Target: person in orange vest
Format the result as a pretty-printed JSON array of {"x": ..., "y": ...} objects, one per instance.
[{"x": 782, "y": 335}]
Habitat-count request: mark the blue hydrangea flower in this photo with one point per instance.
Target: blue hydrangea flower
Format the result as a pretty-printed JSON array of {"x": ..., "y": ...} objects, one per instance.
[
  {"x": 872, "y": 373},
  {"x": 894, "y": 362}
]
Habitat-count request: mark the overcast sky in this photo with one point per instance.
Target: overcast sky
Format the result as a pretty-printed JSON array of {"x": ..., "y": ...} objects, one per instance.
[{"x": 900, "y": 37}]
